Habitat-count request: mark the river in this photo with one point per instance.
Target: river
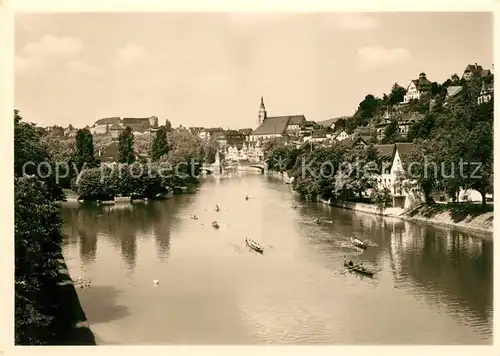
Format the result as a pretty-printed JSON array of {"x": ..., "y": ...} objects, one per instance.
[{"x": 431, "y": 286}]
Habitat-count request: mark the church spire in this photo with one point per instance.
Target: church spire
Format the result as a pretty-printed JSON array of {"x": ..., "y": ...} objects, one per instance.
[{"x": 262, "y": 111}]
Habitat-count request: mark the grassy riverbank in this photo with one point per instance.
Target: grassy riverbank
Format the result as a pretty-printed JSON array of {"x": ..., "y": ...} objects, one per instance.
[
  {"x": 469, "y": 217},
  {"x": 473, "y": 217}
]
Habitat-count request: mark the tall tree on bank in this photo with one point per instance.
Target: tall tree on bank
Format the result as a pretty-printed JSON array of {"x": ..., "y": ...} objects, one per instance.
[
  {"x": 168, "y": 125},
  {"x": 84, "y": 156},
  {"x": 31, "y": 156},
  {"x": 160, "y": 144},
  {"x": 397, "y": 94},
  {"x": 126, "y": 146}
]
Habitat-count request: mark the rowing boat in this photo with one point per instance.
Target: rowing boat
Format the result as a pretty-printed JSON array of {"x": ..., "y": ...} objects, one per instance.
[
  {"x": 358, "y": 243},
  {"x": 254, "y": 245},
  {"x": 358, "y": 269},
  {"x": 215, "y": 224}
]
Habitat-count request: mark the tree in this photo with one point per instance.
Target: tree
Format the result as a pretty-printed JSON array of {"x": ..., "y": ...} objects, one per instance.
[
  {"x": 422, "y": 129},
  {"x": 340, "y": 124},
  {"x": 363, "y": 163},
  {"x": 424, "y": 170},
  {"x": 479, "y": 153},
  {"x": 160, "y": 144},
  {"x": 37, "y": 249},
  {"x": 351, "y": 124},
  {"x": 210, "y": 148},
  {"x": 382, "y": 197},
  {"x": 397, "y": 94},
  {"x": 168, "y": 125},
  {"x": 367, "y": 109},
  {"x": 31, "y": 156},
  {"x": 84, "y": 155},
  {"x": 391, "y": 133},
  {"x": 126, "y": 146}
]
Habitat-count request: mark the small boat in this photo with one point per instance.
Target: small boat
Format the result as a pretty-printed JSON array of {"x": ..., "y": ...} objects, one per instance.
[
  {"x": 358, "y": 269},
  {"x": 215, "y": 224},
  {"x": 254, "y": 245},
  {"x": 217, "y": 208},
  {"x": 194, "y": 217},
  {"x": 317, "y": 220},
  {"x": 246, "y": 198},
  {"x": 357, "y": 243}
]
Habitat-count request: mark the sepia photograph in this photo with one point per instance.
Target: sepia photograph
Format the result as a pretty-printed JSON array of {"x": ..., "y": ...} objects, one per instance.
[{"x": 253, "y": 178}]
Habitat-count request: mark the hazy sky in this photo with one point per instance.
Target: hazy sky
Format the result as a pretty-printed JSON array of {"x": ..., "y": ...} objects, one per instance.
[{"x": 210, "y": 69}]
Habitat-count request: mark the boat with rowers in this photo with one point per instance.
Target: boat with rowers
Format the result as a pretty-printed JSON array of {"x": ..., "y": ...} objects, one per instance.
[
  {"x": 215, "y": 224},
  {"x": 254, "y": 245},
  {"x": 358, "y": 243},
  {"x": 357, "y": 268}
]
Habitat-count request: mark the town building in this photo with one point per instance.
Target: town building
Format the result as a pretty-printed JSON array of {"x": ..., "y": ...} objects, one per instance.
[
  {"x": 417, "y": 88},
  {"x": 393, "y": 168},
  {"x": 486, "y": 93},
  {"x": 107, "y": 125},
  {"x": 277, "y": 126},
  {"x": 475, "y": 70},
  {"x": 140, "y": 124},
  {"x": 343, "y": 135}
]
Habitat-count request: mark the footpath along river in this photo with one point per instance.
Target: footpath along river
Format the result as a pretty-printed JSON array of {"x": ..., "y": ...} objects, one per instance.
[{"x": 431, "y": 286}]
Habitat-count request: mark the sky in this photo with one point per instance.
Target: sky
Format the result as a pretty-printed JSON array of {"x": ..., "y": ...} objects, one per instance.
[{"x": 211, "y": 69}]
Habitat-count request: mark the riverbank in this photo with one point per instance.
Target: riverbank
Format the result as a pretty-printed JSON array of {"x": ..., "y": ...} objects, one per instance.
[
  {"x": 467, "y": 217},
  {"x": 71, "y": 326}
]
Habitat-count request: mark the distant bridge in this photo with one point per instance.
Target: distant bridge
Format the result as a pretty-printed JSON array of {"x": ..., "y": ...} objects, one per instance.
[{"x": 261, "y": 166}]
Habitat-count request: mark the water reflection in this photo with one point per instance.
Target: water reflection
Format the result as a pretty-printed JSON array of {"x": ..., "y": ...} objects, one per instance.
[
  {"x": 120, "y": 224},
  {"x": 445, "y": 264}
]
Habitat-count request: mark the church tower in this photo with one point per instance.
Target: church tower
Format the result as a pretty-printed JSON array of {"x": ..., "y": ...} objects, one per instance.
[{"x": 262, "y": 111}]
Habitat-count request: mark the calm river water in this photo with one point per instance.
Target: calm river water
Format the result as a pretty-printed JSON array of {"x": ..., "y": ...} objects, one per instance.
[{"x": 431, "y": 286}]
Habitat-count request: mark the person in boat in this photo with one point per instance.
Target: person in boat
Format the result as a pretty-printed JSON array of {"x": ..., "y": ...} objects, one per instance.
[
  {"x": 351, "y": 264},
  {"x": 216, "y": 207},
  {"x": 246, "y": 197}
]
